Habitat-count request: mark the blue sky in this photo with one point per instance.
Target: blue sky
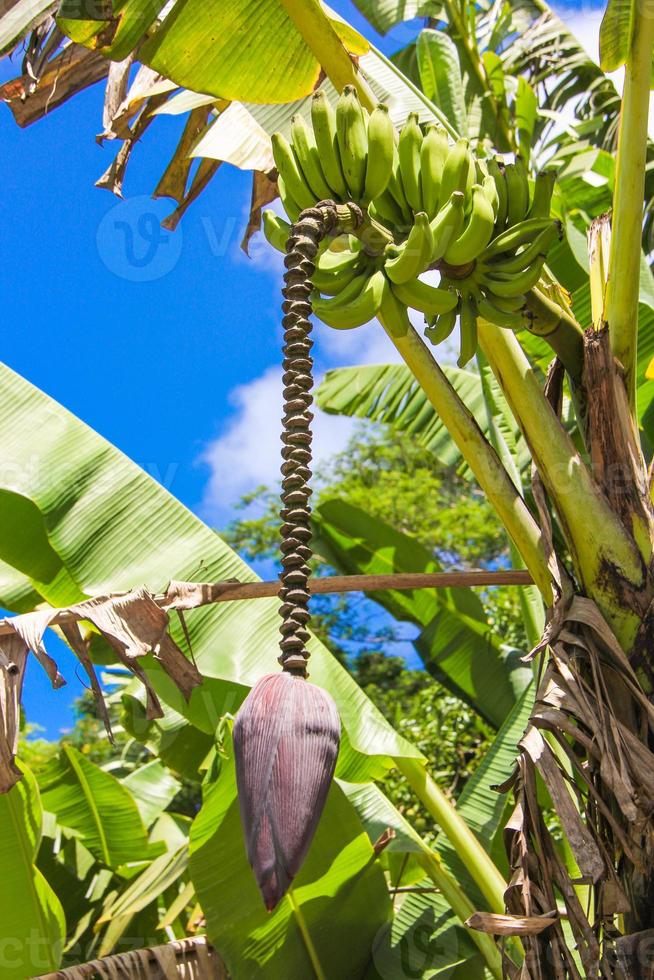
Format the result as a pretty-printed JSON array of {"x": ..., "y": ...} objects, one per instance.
[{"x": 180, "y": 371}]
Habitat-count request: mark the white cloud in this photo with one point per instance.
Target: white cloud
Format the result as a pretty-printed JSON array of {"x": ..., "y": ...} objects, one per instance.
[{"x": 247, "y": 453}]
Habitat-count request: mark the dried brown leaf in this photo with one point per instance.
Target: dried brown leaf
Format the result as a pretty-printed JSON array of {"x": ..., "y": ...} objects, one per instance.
[{"x": 511, "y": 925}]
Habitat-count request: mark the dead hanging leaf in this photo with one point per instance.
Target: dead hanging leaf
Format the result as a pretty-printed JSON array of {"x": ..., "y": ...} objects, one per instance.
[
  {"x": 132, "y": 623},
  {"x": 264, "y": 191},
  {"x": 13, "y": 657},
  {"x": 135, "y": 625},
  {"x": 175, "y": 177},
  {"x": 113, "y": 177},
  {"x": 201, "y": 178},
  {"x": 601, "y": 783},
  {"x": 510, "y": 925},
  {"x": 146, "y": 85},
  {"x": 114, "y": 96},
  {"x": 71, "y": 71}
]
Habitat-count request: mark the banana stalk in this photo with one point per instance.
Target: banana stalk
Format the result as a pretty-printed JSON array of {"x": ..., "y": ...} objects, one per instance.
[
  {"x": 624, "y": 263},
  {"x": 605, "y": 555},
  {"x": 320, "y": 37},
  {"x": 482, "y": 459}
]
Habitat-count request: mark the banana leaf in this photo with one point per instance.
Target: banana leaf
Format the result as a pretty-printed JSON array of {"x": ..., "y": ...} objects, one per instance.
[
  {"x": 95, "y": 805},
  {"x": 104, "y": 525},
  {"x": 33, "y": 925},
  {"x": 456, "y": 643}
]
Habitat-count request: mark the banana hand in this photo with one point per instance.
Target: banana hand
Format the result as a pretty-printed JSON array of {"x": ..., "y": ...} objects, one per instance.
[
  {"x": 290, "y": 172},
  {"x": 323, "y": 119},
  {"x": 425, "y": 298},
  {"x": 306, "y": 154},
  {"x": 447, "y": 225},
  {"x": 478, "y": 232},
  {"x": 357, "y": 304}
]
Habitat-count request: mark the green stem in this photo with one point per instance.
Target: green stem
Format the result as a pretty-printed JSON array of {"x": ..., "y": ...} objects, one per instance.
[
  {"x": 624, "y": 262},
  {"x": 320, "y": 37},
  {"x": 306, "y": 936},
  {"x": 480, "y": 866},
  {"x": 462, "y": 907},
  {"x": 601, "y": 546},
  {"x": 480, "y": 456},
  {"x": 531, "y": 603},
  {"x": 561, "y": 331}
]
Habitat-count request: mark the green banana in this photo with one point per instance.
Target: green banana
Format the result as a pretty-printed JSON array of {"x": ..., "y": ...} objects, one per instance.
[
  {"x": 496, "y": 171},
  {"x": 306, "y": 153},
  {"x": 455, "y": 170},
  {"x": 520, "y": 234},
  {"x": 323, "y": 119},
  {"x": 517, "y": 185},
  {"x": 543, "y": 191},
  {"x": 392, "y": 314},
  {"x": 414, "y": 255},
  {"x": 292, "y": 208},
  {"x": 441, "y": 328},
  {"x": 336, "y": 270},
  {"x": 290, "y": 172},
  {"x": 355, "y": 305},
  {"x": 507, "y": 304},
  {"x": 433, "y": 153},
  {"x": 447, "y": 225},
  {"x": 425, "y": 298},
  {"x": 381, "y": 148},
  {"x": 517, "y": 284},
  {"x": 352, "y": 133},
  {"x": 408, "y": 149},
  {"x": 468, "y": 332},
  {"x": 341, "y": 252},
  {"x": 488, "y": 311},
  {"x": 386, "y": 209},
  {"x": 539, "y": 246},
  {"x": 477, "y": 233},
  {"x": 490, "y": 190},
  {"x": 275, "y": 229},
  {"x": 396, "y": 190}
]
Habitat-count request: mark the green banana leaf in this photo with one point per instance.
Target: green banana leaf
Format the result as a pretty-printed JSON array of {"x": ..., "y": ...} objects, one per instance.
[
  {"x": 145, "y": 889},
  {"x": 389, "y": 393},
  {"x": 105, "y": 525},
  {"x": 96, "y": 806},
  {"x": 33, "y": 925},
  {"x": 337, "y": 905},
  {"x": 440, "y": 76},
  {"x": 153, "y": 788},
  {"x": 223, "y": 48},
  {"x": 456, "y": 644}
]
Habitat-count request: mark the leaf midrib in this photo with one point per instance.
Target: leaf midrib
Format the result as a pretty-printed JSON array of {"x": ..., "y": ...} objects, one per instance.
[{"x": 86, "y": 790}]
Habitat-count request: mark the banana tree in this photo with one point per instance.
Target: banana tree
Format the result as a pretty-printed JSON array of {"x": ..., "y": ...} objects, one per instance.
[{"x": 586, "y": 745}]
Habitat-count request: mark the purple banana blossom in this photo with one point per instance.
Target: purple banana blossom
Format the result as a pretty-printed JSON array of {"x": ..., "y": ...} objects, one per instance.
[{"x": 286, "y": 739}]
